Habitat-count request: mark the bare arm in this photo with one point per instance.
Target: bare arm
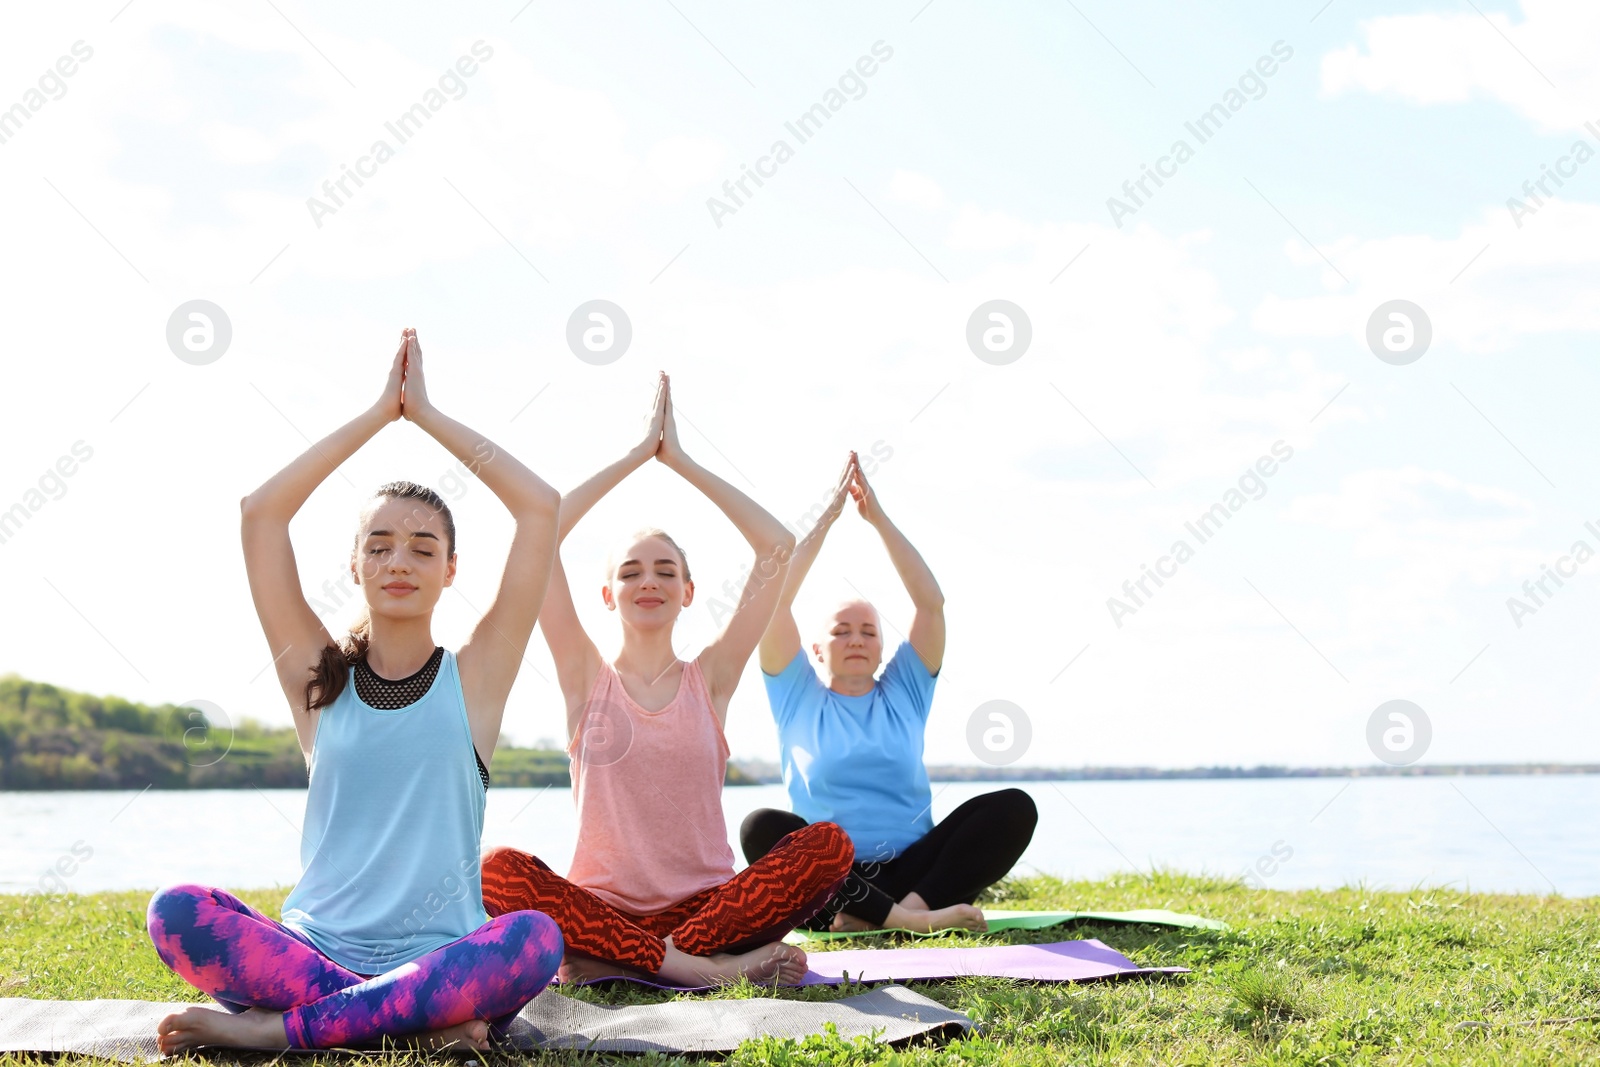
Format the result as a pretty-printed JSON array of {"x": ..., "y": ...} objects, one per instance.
[
  {"x": 577, "y": 658},
  {"x": 492, "y": 655},
  {"x": 927, "y": 624},
  {"x": 295, "y": 636},
  {"x": 724, "y": 658},
  {"x": 781, "y": 641}
]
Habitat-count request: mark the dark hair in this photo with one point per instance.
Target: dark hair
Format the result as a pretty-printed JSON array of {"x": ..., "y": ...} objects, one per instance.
[{"x": 328, "y": 677}]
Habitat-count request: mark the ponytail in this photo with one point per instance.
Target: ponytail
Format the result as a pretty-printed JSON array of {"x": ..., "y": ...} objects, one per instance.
[{"x": 332, "y": 672}]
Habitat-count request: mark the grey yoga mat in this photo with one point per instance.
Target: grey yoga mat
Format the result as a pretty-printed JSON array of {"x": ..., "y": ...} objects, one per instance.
[{"x": 125, "y": 1029}]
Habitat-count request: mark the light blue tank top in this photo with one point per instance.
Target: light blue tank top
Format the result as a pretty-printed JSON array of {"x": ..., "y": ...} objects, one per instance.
[{"x": 393, "y": 828}]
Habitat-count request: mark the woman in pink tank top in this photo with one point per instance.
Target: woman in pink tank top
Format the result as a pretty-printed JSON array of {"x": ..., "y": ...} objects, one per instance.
[{"x": 652, "y": 888}]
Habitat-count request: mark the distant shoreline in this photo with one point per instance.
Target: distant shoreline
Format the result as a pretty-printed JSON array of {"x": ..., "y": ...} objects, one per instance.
[
  {"x": 748, "y": 773},
  {"x": 56, "y": 740},
  {"x": 1118, "y": 774},
  {"x": 763, "y": 773}
]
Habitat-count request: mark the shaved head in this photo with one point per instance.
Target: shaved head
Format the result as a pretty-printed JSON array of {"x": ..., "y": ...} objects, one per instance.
[
  {"x": 851, "y": 642},
  {"x": 853, "y": 609}
]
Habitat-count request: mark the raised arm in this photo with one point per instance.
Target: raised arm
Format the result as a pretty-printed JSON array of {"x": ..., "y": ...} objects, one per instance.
[
  {"x": 782, "y": 640},
  {"x": 295, "y": 636},
  {"x": 491, "y": 656},
  {"x": 724, "y": 658},
  {"x": 577, "y": 658},
  {"x": 927, "y": 623}
]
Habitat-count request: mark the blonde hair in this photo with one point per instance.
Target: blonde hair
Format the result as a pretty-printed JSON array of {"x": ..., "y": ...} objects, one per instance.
[{"x": 640, "y": 535}]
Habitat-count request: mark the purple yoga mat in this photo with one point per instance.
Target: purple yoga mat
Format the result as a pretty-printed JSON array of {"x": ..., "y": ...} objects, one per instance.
[{"x": 1062, "y": 961}]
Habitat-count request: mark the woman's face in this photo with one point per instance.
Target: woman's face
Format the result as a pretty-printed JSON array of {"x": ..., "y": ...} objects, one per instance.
[
  {"x": 853, "y": 645},
  {"x": 647, "y": 587},
  {"x": 400, "y": 560}
]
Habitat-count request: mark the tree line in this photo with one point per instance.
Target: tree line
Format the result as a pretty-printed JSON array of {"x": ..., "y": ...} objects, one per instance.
[{"x": 56, "y": 738}]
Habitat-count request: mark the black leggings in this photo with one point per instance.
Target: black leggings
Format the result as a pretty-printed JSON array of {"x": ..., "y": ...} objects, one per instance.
[{"x": 973, "y": 848}]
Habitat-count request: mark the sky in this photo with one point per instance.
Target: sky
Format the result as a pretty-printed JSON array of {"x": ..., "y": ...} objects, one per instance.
[{"x": 1215, "y": 340}]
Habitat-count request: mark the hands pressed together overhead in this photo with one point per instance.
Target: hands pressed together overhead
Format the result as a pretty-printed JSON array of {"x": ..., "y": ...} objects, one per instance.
[
  {"x": 853, "y": 483},
  {"x": 405, "y": 396},
  {"x": 866, "y": 500},
  {"x": 661, "y": 428}
]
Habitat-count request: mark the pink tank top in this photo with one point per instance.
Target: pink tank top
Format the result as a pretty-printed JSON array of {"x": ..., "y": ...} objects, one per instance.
[{"x": 648, "y": 785}]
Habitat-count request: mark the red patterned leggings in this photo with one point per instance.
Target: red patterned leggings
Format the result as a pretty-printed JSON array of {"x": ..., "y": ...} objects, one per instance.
[{"x": 755, "y": 907}]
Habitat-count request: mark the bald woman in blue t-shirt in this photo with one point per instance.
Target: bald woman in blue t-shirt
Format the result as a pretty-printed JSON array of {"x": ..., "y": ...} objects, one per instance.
[{"x": 851, "y": 752}]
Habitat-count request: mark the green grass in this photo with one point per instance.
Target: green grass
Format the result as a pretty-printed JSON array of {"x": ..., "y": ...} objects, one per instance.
[{"x": 1348, "y": 976}]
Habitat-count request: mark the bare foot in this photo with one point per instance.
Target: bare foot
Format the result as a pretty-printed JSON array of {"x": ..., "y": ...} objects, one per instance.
[
  {"x": 849, "y": 924},
  {"x": 474, "y": 1033},
  {"x": 920, "y": 920},
  {"x": 955, "y": 917},
  {"x": 259, "y": 1028},
  {"x": 586, "y": 969},
  {"x": 197, "y": 1026},
  {"x": 777, "y": 962}
]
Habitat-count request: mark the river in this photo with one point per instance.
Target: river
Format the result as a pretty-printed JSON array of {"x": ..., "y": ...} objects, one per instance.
[{"x": 1511, "y": 833}]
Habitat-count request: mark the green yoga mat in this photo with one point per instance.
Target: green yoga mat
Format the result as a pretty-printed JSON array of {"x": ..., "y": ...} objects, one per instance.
[{"x": 1000, "y": 919}]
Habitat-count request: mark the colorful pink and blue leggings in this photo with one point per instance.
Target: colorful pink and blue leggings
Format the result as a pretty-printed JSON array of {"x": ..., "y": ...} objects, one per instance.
[{"x": 244, "y": 959}]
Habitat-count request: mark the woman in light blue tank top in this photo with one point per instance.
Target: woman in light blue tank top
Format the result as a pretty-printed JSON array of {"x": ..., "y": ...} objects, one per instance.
[{"x": 385, "y": 934}]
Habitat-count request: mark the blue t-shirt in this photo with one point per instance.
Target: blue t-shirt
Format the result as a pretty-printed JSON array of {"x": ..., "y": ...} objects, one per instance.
[{"x": 857, "y": 761}]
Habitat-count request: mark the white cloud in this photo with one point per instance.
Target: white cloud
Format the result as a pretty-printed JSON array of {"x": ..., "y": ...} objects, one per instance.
[
  {"x": 1454, "y": 57},
  {"x": 1247, "y": 359},
  {"x": 680, "y": 163},
  {"x": 1483, "y": 289},
  {"x": 1438, "y": 523},
  {"x": 240, "y": 144},
  {"x": 918, "y": 190},
  {"x": 978, "y": 230}
]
